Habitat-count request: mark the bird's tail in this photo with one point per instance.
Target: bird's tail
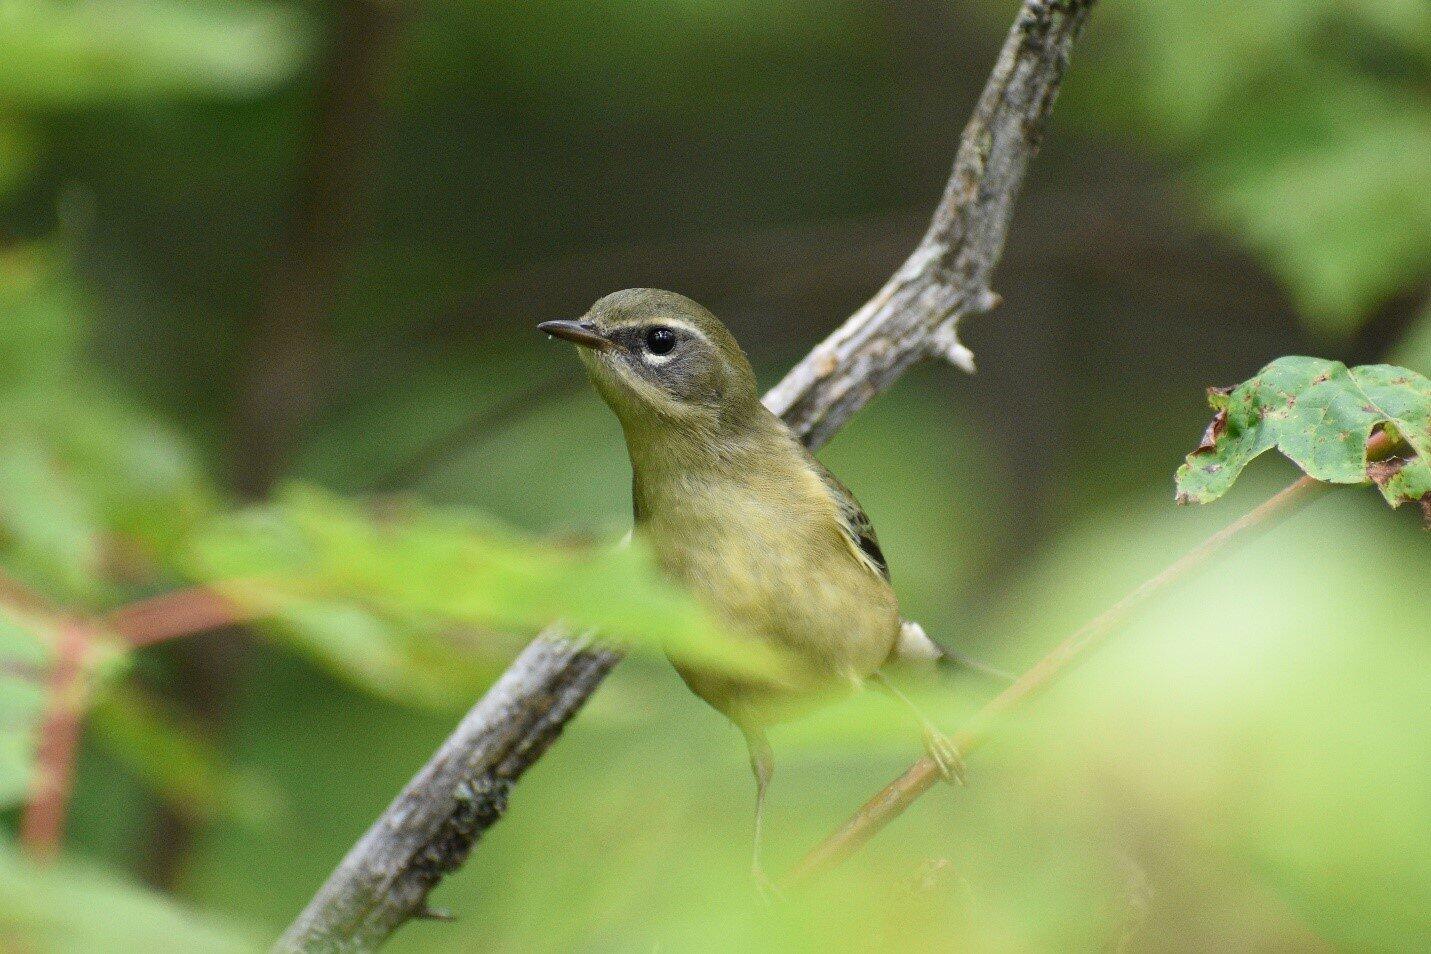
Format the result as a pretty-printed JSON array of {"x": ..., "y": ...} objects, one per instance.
[{"x": 915, "y": 645}]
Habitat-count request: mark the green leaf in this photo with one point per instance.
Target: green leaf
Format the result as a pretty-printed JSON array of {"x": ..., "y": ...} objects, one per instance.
[
  {"x": 49, "y": 531},
  {"x": 309, "y": 552},
  {"x": 1300, "y": 127},
  {"x": 1320, "y": 414},
  {"x": 145, "y": 483},
  {"x": 62, "y": 53},
  {"x": 408, "y": 660},
  {"x": 74, "y": 908}
]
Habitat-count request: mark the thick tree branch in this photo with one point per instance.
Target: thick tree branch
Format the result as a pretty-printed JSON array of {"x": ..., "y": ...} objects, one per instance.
[
  {"x": 431, "y": 826},
  {"x": 461, "y": 792}
]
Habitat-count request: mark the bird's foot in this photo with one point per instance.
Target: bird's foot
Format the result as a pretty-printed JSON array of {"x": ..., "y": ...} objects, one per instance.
[
  {"x": 946, "y": 756},
  {"x": 766, "y": 890}
]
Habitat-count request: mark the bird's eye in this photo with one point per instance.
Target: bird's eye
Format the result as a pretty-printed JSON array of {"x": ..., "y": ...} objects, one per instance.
[{"x": 660, "y": 340}]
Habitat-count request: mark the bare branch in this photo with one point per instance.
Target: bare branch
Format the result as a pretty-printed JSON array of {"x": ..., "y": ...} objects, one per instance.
[
  {"x": 431, "y": 826},
  {"x": 916, "y": 313}
]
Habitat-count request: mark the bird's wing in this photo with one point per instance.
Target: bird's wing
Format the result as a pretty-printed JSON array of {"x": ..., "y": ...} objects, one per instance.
[{"x": 853, "y": 522}]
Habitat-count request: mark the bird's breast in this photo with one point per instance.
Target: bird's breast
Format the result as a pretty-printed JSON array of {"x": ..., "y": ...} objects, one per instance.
[{"x": 764, "y": 551}]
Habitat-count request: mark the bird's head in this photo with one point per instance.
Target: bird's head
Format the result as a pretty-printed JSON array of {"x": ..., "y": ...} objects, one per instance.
[{"x": 659, "y": 359}]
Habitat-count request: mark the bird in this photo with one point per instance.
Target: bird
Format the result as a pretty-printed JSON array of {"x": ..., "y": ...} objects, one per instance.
[{"x": 737, "y": 510}]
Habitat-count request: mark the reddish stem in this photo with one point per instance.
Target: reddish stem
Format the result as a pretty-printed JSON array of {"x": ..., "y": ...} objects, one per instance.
[
  {"x": 171, "y": 615},
  {"x": 43, "y": 821}
]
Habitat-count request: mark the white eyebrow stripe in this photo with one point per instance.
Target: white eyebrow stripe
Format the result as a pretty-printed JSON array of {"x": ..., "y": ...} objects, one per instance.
[{"x": 677, "y": 323}]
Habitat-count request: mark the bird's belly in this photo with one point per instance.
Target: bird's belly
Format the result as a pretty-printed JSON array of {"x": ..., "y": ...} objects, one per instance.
[{"x": 834, "y": 620}]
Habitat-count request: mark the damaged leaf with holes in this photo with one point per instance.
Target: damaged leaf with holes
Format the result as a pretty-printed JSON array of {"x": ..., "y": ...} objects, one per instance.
[{"x": 1320, "y": 414}]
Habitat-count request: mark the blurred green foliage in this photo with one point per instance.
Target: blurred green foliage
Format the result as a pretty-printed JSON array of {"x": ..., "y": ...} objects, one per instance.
[
  {"x": 170, "y": 757},
  {"x": 86, "y": 469},
  {"x": 1302, "y": 125},
  {"x": 24, "y": 662},
  {"x": 59, "y": 54},
  {"x": 77, "y": 908},
  {"x": 1273, "y": 698},
  {"x": 1243, "y": 768},
  {"x": 308, "y": 550}
]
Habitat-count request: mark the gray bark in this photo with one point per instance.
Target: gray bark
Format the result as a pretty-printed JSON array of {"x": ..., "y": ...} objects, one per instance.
[
  {"x": 916, "y": 314},
  {"x": 432, "y": 825}
]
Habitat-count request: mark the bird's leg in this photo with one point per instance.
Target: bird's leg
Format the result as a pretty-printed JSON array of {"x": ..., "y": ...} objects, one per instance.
[
  {"x": 938, "y": 745},
  {"x": 762, "y": 765}
]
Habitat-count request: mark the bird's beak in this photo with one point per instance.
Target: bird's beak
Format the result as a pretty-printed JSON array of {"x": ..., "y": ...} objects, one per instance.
[{"x": 577, "y": 332}]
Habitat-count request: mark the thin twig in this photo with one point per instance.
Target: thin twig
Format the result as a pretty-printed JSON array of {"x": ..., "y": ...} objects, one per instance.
[
  {"x": 431, "y": 826},
  {"x": 894, "y": 798},
  {"x": 171, "y": 615},
  {"x": 42, "y": 819}
]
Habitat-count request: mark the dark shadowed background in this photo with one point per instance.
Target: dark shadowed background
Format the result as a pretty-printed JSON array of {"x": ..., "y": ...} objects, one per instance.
[{"x": 247, "y": 248}]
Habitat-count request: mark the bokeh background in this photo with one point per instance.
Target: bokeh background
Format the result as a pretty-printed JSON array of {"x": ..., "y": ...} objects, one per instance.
[{"x": 294, "y": 252}]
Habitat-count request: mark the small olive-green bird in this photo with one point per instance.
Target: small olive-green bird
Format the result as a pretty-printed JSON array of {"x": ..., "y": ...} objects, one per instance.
[{"x": 736, "y": 509}]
